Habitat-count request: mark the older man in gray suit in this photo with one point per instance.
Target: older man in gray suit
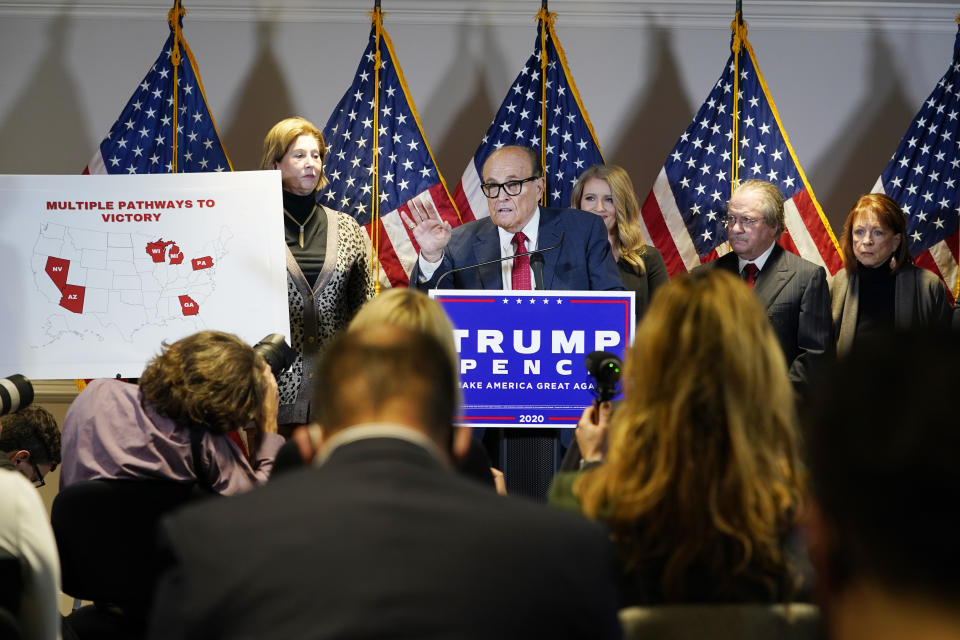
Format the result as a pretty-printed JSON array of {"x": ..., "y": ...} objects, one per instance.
[{"x": 792, "y": 290}]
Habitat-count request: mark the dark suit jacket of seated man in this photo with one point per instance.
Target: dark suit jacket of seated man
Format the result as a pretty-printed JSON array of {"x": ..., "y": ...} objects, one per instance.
[
  {"x": 581, "y": 261},
  {"x": 382, "y": 538},
  {"x": 793, "y": 291}
]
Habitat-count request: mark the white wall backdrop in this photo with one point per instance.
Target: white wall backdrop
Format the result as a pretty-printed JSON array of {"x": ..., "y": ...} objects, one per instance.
[{"x": 847, "y": 76}]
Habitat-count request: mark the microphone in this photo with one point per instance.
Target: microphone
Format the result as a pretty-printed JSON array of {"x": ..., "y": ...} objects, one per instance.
[
  {"x": 536, "y": 263},
  {"x": 605, "y": 368},
  {"x": 504, "y": 259}
]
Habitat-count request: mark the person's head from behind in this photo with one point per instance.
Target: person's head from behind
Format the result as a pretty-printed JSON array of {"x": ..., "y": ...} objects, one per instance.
[
  {"x": 884, "y": 471},
  {"x": 874, "y": 232},
  {"x": 296, "y": 147},
  {"x": 387, "y": 374},
  {"x": 702, "y": 461},
  {"x": 31, "y": 440},
  {"x": 607, "y": 191},
  {"x": 209, "y": 380},
  {"x": 410, "y": 309}
]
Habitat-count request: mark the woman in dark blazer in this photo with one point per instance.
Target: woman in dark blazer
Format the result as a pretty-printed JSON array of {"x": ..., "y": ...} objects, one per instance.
[
  {"x": 606, "y": 190},
  {"x": 880, "y": 288}
]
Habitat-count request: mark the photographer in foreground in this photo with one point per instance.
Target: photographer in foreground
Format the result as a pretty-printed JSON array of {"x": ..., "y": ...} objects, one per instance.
[{"x": 173, "y": 424}]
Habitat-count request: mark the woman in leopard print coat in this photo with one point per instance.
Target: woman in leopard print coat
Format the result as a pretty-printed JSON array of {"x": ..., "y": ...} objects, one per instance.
[{"x": 328, "y": 259}]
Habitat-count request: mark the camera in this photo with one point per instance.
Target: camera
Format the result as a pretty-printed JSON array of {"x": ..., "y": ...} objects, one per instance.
[
  {"x": 605, "y": 369},
  {"x": 278, "y": 354},
  {"x": 16, "y": 392}
]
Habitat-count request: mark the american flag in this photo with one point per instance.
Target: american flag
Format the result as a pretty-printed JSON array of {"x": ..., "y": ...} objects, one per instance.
[
  {"x": 683, "y": 214},
  {"x": 923, "y": 174},
  {"x": 405, "y": 170},
  {"x": 141, "y": 140},
  {"x": 568, "y": 143}
]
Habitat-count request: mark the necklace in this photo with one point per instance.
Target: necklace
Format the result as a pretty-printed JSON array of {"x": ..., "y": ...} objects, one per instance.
[{"x": 309, "y": 217}]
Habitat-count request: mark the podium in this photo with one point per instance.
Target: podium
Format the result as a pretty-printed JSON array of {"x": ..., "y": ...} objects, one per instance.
[{"x": 522, "y": 372}]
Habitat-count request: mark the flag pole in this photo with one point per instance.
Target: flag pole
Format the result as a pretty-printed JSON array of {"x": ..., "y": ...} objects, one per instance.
[
  {"x": 173, "y": 18},
  {"x": 739, "y": 37},
  {"x": 377, "y": 16},
  {"x": 543, "y": 17}
]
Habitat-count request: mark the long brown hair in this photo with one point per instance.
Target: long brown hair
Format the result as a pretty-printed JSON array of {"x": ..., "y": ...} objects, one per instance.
[
  {"x": 701, "y": 477},
  {"x": 890, "y": 215}
]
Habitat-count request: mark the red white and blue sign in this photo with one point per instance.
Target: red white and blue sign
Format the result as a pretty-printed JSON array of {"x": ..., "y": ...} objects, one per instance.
[{"x": 522, "y": 352}]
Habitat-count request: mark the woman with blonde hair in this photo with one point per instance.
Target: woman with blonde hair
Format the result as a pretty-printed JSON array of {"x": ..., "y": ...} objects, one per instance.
[
  {"x": 606, "y": 190},
  {"x": 328, "y": 258},
  {"x": 411, "y": 309},
  {"x": 700, "y": 483}
]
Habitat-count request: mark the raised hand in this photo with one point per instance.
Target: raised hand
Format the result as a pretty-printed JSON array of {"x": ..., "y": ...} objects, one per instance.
[{"x": 431, "y": 231}]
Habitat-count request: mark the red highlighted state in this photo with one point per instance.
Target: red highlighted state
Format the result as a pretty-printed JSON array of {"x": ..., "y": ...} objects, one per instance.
[
  {"x": 188, "y": 306},
  {"x": 202, "y": 263},
  {"x": 57, "y": 269},
  {"x": 157, "y": 249},
  {"x": 175, "y": 255},
  {"x": 72, "y": 299}
]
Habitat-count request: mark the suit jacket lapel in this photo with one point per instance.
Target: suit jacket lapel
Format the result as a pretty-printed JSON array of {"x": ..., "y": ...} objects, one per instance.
[
  {"x": 547, "y": 236},
  {"x": 486, "y": 246},
  {"x": 774, "y": 276},
  {"x": 905, "y": 297}
]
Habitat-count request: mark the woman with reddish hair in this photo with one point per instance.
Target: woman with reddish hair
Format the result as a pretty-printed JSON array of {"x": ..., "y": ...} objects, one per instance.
[{"x": 880, "y": 289}]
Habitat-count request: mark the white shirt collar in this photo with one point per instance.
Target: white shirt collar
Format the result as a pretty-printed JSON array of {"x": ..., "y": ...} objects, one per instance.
[
  {"x": 531, "y": 230},
  {"x": 760, "y": 261}
]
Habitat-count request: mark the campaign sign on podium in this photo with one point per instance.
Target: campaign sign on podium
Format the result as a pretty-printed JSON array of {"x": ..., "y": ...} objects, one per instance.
[{"x": 522, "y": 352}]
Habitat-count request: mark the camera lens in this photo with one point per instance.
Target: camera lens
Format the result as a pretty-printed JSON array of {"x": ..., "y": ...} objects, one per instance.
[
  {"x": 275, "y": 350},
  {"x": 16, "y": 392}
]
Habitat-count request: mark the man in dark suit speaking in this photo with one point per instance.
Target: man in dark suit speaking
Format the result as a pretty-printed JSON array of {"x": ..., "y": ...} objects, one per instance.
[
  {"x": 574, "y": 246},
  {"x": 382, "y": 538},
  {"x": 792, "y": 290}
]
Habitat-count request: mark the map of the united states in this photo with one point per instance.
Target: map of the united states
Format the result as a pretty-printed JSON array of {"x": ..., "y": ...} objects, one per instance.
[{"x": 124, "y": 280}]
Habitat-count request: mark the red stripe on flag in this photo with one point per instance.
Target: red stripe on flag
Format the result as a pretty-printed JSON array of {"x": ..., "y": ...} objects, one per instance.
[
  {"x": 388, "y": 258},
  {"x": 926, "y": 261},
  {"x": 818, "y": 231},
  {"x": 953, "y": 242},
  {"x": 660, "y": 234},
  {"x": 710, "y": 257},
  {"x": 444, "y": 207},
  {"x": 786, "y": 241},
  {"x": 463, "y": 204}
]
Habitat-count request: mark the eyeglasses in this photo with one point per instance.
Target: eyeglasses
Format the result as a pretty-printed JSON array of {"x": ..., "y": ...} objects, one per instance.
[
  {"x": 39, "y": 482},
  {"x": 745, "y": 222},
  {"x": 512, "y": 187}
]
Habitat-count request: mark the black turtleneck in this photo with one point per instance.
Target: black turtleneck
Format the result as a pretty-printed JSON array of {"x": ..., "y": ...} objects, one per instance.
[
  {"x": 876, "y": 305},
  {"x": 314, "y": 251}
]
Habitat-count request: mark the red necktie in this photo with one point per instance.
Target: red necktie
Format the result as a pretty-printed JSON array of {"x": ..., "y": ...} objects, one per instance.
[
  {"x": 750, "y": 272},
  {"x": 520, "y": 278}
]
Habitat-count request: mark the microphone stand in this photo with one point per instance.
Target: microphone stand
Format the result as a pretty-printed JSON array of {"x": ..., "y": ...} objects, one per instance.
[{"x": 535, "y": 252}]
